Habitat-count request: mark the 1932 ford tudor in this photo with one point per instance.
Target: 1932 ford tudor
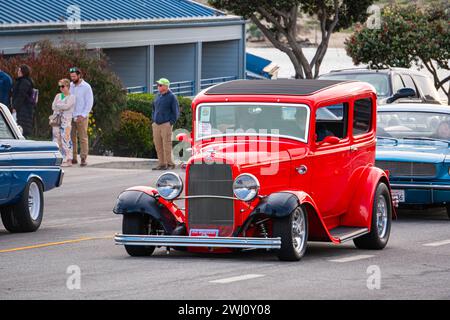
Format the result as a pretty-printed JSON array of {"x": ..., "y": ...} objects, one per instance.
[{"x": 275, "y": 164}]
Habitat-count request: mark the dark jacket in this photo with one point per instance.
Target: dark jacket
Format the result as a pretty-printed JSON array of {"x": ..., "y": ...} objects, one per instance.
[
  {"x": 165, "y": 109},
  {"x": 5, "y": 88},
  {"x": 22, "y": 102}
]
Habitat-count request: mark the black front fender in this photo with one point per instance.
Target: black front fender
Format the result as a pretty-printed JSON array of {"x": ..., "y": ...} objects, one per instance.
[
  {"x": 276, "y": 206},
  {"x": 135, "y": 202}
]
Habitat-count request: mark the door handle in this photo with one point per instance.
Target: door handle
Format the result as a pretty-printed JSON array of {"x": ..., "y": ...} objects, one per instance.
[{"x": 353, "y": 149}]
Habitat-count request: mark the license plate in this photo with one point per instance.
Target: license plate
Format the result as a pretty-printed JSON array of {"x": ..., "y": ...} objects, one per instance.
[
  {"x": 210, "y": 233},
  {"x": 400, "y": 194}
]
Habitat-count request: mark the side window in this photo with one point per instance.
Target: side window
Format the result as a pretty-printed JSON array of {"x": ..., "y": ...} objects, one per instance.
[
  {"x": 5, "y": 130},
  {"x": 397, "y": 83},
  {"x": 427, "y": 87},
  {"x": 409, "y": 83},
  {"x": 362, "y": 116},
  {"x": 331, "y": 121}
]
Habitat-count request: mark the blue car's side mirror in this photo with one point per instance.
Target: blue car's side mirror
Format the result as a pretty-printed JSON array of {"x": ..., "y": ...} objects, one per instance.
[{"x": 402, "y": 93}]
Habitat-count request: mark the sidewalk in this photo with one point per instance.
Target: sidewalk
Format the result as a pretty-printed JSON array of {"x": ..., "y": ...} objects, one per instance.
[{"x": 120, "y": 162}]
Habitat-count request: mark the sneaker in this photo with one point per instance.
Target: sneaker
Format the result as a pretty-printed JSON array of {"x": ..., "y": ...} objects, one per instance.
[
  {"x": 74, "y": 161},
  {"x": 66, "y": 164},
  {"x": 171, "y": 166},
  {"x": 83, "y": 163}
]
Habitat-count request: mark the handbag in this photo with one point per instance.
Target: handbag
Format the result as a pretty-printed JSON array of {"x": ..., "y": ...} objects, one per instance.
[{"x": 55, "y": 120}]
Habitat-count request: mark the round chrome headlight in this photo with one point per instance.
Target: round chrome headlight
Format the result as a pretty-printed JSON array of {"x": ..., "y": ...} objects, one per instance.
[
  {"x": 246, "y": 187},
  {"x": 169, "y": 185}
]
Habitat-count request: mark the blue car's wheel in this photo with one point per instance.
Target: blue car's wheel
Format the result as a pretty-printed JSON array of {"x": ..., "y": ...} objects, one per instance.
[{"x": 27, "y": 214}]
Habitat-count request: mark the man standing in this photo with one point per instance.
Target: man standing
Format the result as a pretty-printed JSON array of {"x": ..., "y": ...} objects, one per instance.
[
  {"x": 165, "y": 113},
  {"x": 83, "y": 106},
  {"x": 5, "y": 88}
]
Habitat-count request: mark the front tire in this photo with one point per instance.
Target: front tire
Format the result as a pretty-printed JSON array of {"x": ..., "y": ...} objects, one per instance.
[
  {"x": 137, "y": 224},
  {"x": 293, "y": 231},
  {"x": 380, "y": 229},
  {"x": 27, "y": 214}
]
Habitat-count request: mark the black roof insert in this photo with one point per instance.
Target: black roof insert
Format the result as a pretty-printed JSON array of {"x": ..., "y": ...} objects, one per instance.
[{"x": 273, "y": 87}]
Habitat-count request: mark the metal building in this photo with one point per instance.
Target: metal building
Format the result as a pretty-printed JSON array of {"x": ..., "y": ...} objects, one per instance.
[{"x": 193, "y": 45}]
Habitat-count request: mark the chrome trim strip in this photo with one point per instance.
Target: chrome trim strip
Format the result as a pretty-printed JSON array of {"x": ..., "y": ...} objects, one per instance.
[
  {"x": 30, "y": 168},
  {"x": 280, "y": 104},
  {"x": 185, "y": 241},
  {"x": 419, "y": 186}
]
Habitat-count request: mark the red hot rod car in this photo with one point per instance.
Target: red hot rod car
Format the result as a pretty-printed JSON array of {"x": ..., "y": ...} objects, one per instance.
[{"x": 275, "y": 164}]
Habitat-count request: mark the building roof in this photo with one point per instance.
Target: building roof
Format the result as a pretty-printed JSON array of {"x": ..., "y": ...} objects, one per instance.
[
  {"x": 273, "y": 87},
  {"x": 39, "y": 13}
]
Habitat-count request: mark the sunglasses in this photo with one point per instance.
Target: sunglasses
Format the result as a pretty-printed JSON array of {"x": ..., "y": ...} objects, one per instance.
[
  {"x": 62, "y": 86},
  {"x": 73, "y": 70}
]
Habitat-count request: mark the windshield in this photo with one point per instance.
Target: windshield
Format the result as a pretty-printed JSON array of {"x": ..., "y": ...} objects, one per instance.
[
  {"x": 379, "y": 80},
  {"x": 428, "y": 125},
  {"x": 252, "y": 120}
]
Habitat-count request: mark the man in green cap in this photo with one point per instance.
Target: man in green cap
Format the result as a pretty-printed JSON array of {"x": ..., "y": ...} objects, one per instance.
[{"x": 166, "y": 112}]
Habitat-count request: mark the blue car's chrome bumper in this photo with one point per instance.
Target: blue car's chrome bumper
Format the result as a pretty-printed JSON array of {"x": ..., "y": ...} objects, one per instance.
[
  {"x": 208, "y": 242},
  {"x": 425, "y": 186},
  {"x": 423, "y": 193}
]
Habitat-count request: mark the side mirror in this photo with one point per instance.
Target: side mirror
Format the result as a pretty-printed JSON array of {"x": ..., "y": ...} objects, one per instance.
[
  {"x": 184, "y": 137},
  {"x": 331, "y": 140},
  {"x": 402, "y": 93}
]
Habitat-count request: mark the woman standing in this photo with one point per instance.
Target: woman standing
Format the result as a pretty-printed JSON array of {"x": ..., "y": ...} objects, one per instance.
[
  {"x": 22, "y": 100},
  {"x": 63, "y": 106}
]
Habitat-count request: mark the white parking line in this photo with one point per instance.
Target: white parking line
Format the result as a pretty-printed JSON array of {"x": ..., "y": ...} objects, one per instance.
[
  {"x": 437, "y": 243},
  {"x": 238, "y": 278},
  {"x": 353, "y": 258}
]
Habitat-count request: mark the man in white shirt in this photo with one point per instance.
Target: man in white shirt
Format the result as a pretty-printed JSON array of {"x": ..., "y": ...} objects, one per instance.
[{"x": 84, "y": 102}]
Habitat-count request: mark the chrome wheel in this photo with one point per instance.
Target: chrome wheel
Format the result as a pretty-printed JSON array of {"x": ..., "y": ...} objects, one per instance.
[
  {"x": 34, "y": 201},
  {"x": 298, "y": 230},
  {"x": 382, "y": 216}
]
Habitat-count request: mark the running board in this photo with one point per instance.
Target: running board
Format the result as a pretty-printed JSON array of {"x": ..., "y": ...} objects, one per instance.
[
  {"x": 343, "y": 234},
  {"x": 209, "y": 242}
]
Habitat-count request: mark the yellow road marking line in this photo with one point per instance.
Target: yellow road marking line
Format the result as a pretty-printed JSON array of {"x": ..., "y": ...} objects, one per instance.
[{"x": 51, "y": 244}]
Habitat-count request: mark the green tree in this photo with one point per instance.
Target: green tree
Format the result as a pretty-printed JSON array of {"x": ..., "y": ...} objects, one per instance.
[
  {"x": 408, "y": 35},
  {"x": 280, "y": 17}
]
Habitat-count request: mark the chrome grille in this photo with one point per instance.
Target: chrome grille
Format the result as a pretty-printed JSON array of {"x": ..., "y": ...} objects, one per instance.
[
  {"x": 408, "y": 169},
  {"x": 213, "y": 180}
]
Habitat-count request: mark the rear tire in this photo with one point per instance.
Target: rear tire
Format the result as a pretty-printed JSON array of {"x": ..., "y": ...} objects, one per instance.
[
  {"x": 380, "y": 229},
  {"x": 293, "y": 231},
  {"x": 137, "y": 224},
  {"x": 27, "y": 214}
]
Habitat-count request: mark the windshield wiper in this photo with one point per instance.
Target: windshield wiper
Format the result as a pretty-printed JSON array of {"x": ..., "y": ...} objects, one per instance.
[{"x": 427, "y": 139}]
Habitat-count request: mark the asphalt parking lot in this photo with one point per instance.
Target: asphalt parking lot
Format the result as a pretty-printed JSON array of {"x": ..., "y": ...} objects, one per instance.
[{"x": 76, "y": 236}]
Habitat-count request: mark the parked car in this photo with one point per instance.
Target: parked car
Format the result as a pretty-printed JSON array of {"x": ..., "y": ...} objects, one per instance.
[
  {"x": 270, "y": 170},
  {"x": 393, "y": 84},
  {"x": 413, "y": 145},
  {"x": 27, "y": 170}
]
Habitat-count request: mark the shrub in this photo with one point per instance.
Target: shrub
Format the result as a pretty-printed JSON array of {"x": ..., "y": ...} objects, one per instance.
[
  {"x": 133, "y": 138},
  {"x": 142, "y": 103}
]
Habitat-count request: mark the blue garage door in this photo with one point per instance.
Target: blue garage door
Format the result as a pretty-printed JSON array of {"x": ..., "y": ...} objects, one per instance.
[
  {"x": 130, "y": 64},
  {"x": 220, "y": 59}
]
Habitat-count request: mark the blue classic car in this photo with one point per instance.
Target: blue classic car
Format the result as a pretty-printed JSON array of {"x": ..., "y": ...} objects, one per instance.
[
  {"x": 414, "y": 146},
  {"x": 27, "y": 169}
]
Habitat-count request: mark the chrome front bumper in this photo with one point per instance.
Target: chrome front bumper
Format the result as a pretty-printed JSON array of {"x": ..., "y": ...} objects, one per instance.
[
  {"x": 420, "y": 186},
  {"x": 186, "y": 241}
]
